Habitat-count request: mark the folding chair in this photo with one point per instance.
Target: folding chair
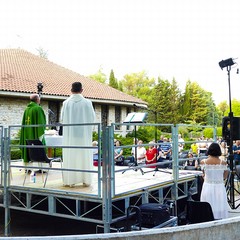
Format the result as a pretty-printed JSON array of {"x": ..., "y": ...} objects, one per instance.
[
  {"x": 39, "y": 155},
  {"x": 198, "y": 212}
]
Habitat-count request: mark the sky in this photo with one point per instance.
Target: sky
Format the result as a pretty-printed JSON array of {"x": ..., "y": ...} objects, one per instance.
[{"x": 181, "y": 39}]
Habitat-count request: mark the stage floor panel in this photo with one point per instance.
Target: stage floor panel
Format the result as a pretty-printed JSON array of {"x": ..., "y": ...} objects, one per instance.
[{"x": 126, "y": 179}]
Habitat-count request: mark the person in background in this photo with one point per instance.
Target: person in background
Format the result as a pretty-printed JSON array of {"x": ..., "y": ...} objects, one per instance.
[
  {"x": 236, "y": 152},
  {"x": 224, "y": 150},
  {"x": 202, "y": 147},
  {"x": 133, "y": 151},
  {"x": 151, "y": 154},
  {"x": 77, "y": 110},
  {"x": 191, "y": 163},
  {"x": 118, "y": 153},
  {"x": 194, "y": 148},
  {"x": 33, "y": 115},
  {"x": 180, "y": 143},
  {"x": 213, "y": 189},
  {"x": 141, "y": 152},
  {"x": 95, "y": 153},
  {"x": 164, "y": 153}
]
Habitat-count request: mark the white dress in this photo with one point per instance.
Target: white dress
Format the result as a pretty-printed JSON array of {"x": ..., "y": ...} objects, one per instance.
[{"x": 213, "y": 190}]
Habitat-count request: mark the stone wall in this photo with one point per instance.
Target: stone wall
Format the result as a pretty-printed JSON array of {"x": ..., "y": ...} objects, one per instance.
[
  {"x": 216, "y": 230},
  {"x": 12, "y": 109}
]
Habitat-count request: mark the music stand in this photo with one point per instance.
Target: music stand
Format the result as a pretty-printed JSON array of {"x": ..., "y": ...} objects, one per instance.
[{"x": 135, "y": 117}]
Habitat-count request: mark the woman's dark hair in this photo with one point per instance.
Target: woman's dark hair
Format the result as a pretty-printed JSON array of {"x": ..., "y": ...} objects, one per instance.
[{"x": 214, "y": 150}]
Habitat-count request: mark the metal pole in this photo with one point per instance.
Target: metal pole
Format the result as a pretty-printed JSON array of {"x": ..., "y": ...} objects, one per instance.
[
  {"x": 155, "y": 113},
  {"x": 106, "y": 180},
  {"x": 232, "y": 197},
  {"x": 6, "y": 158}
]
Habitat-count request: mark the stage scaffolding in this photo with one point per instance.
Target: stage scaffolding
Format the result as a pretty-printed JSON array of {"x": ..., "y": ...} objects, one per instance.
[{"x": 104, "y": 204}]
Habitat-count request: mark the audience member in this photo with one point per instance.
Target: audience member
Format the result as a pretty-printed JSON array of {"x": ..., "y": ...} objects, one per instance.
[
  {"x": 194, "y": 148},
  {"x": 191, "y": 163},
  {"x": 118, "y": 153},
  {"x": 202, "y": 147},
  {"x": 95, "y": 153},
  {"x": 224, "y": 150},
  {"x": 164, "y": 152},
  {"x": 180, "y": 143},
  {"x": 151, "y": 154},
  {"x": 133, "y": 151},
  {"x": 236, "y": 152},
  {"x": 141, "y": 152}
]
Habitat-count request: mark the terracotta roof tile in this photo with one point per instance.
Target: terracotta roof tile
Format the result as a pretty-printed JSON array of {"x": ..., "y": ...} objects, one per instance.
[{"x": 20, "y": 71}]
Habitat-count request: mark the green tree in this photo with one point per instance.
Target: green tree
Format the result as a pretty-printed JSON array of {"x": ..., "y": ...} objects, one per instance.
[
  {"x": 212, "y": 113},
  {"x": 223, "y": 107},
  {"x": 112, "y": 80},
  {"x": 186, "y": 102},
  {"x": 138, "y": 85},
  {"x": 165, "y": 99},
  {"x": 99, "y": 76},
  {"x": 174, "y": 104},
  {"x": 236, "y": 107},
  {"x": 120, "y": 86},
  {"x": 196, "y": 104}
]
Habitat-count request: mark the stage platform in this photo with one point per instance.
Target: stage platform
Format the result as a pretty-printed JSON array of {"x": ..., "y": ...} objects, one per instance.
[
  {"x": 105, "y": 201},
  {"x": 127, "y": 180}
]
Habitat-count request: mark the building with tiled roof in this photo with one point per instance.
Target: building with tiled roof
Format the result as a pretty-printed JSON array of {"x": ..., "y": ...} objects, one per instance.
[{"x": 20, "y": 73}]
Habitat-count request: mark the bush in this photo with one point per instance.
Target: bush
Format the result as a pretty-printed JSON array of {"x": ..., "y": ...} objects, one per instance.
[
  {"x": 58, "y": 152},
  {"x": 15, "y": 154}
]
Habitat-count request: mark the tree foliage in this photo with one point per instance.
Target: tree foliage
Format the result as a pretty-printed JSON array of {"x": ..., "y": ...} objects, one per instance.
[
  {"x": 167, "y": 104},
  {"x": 197, "y": 105},
  {"x": 223, "y": 107},
  {"x": 138, "y": 85},
  {"x": 112, "y": 80},
  {"x": 235, "y": 107},
  {"x": 164, "y": 101},
  {"x": 99, "y": 76}
]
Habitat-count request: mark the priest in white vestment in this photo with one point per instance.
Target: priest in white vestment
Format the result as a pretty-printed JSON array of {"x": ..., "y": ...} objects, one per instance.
[{"x": 77, "y": 110}]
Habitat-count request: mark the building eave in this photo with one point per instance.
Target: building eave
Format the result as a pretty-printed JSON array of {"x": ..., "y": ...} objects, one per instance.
[{"x": 62, "y": 98}]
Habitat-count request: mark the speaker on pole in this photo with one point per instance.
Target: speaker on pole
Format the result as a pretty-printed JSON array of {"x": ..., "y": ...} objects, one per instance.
[{"x": 226, "y": 128}]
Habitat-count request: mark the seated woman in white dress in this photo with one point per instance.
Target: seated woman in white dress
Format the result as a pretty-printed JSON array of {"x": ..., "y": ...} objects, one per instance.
[
  {"x": 141, "y": 152},
  {"x": 213, "y": 190}
]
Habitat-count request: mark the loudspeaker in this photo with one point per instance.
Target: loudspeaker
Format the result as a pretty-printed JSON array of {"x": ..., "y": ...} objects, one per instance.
[{"x": 226, "y": 128}]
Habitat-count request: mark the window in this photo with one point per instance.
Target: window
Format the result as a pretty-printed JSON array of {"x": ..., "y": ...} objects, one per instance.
[
  {"x": 104, "y": 114},
  {"x": 128, "y": 111},
  {"x": 117, "y": 117},
  {"x": 53, "y": 108}
]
